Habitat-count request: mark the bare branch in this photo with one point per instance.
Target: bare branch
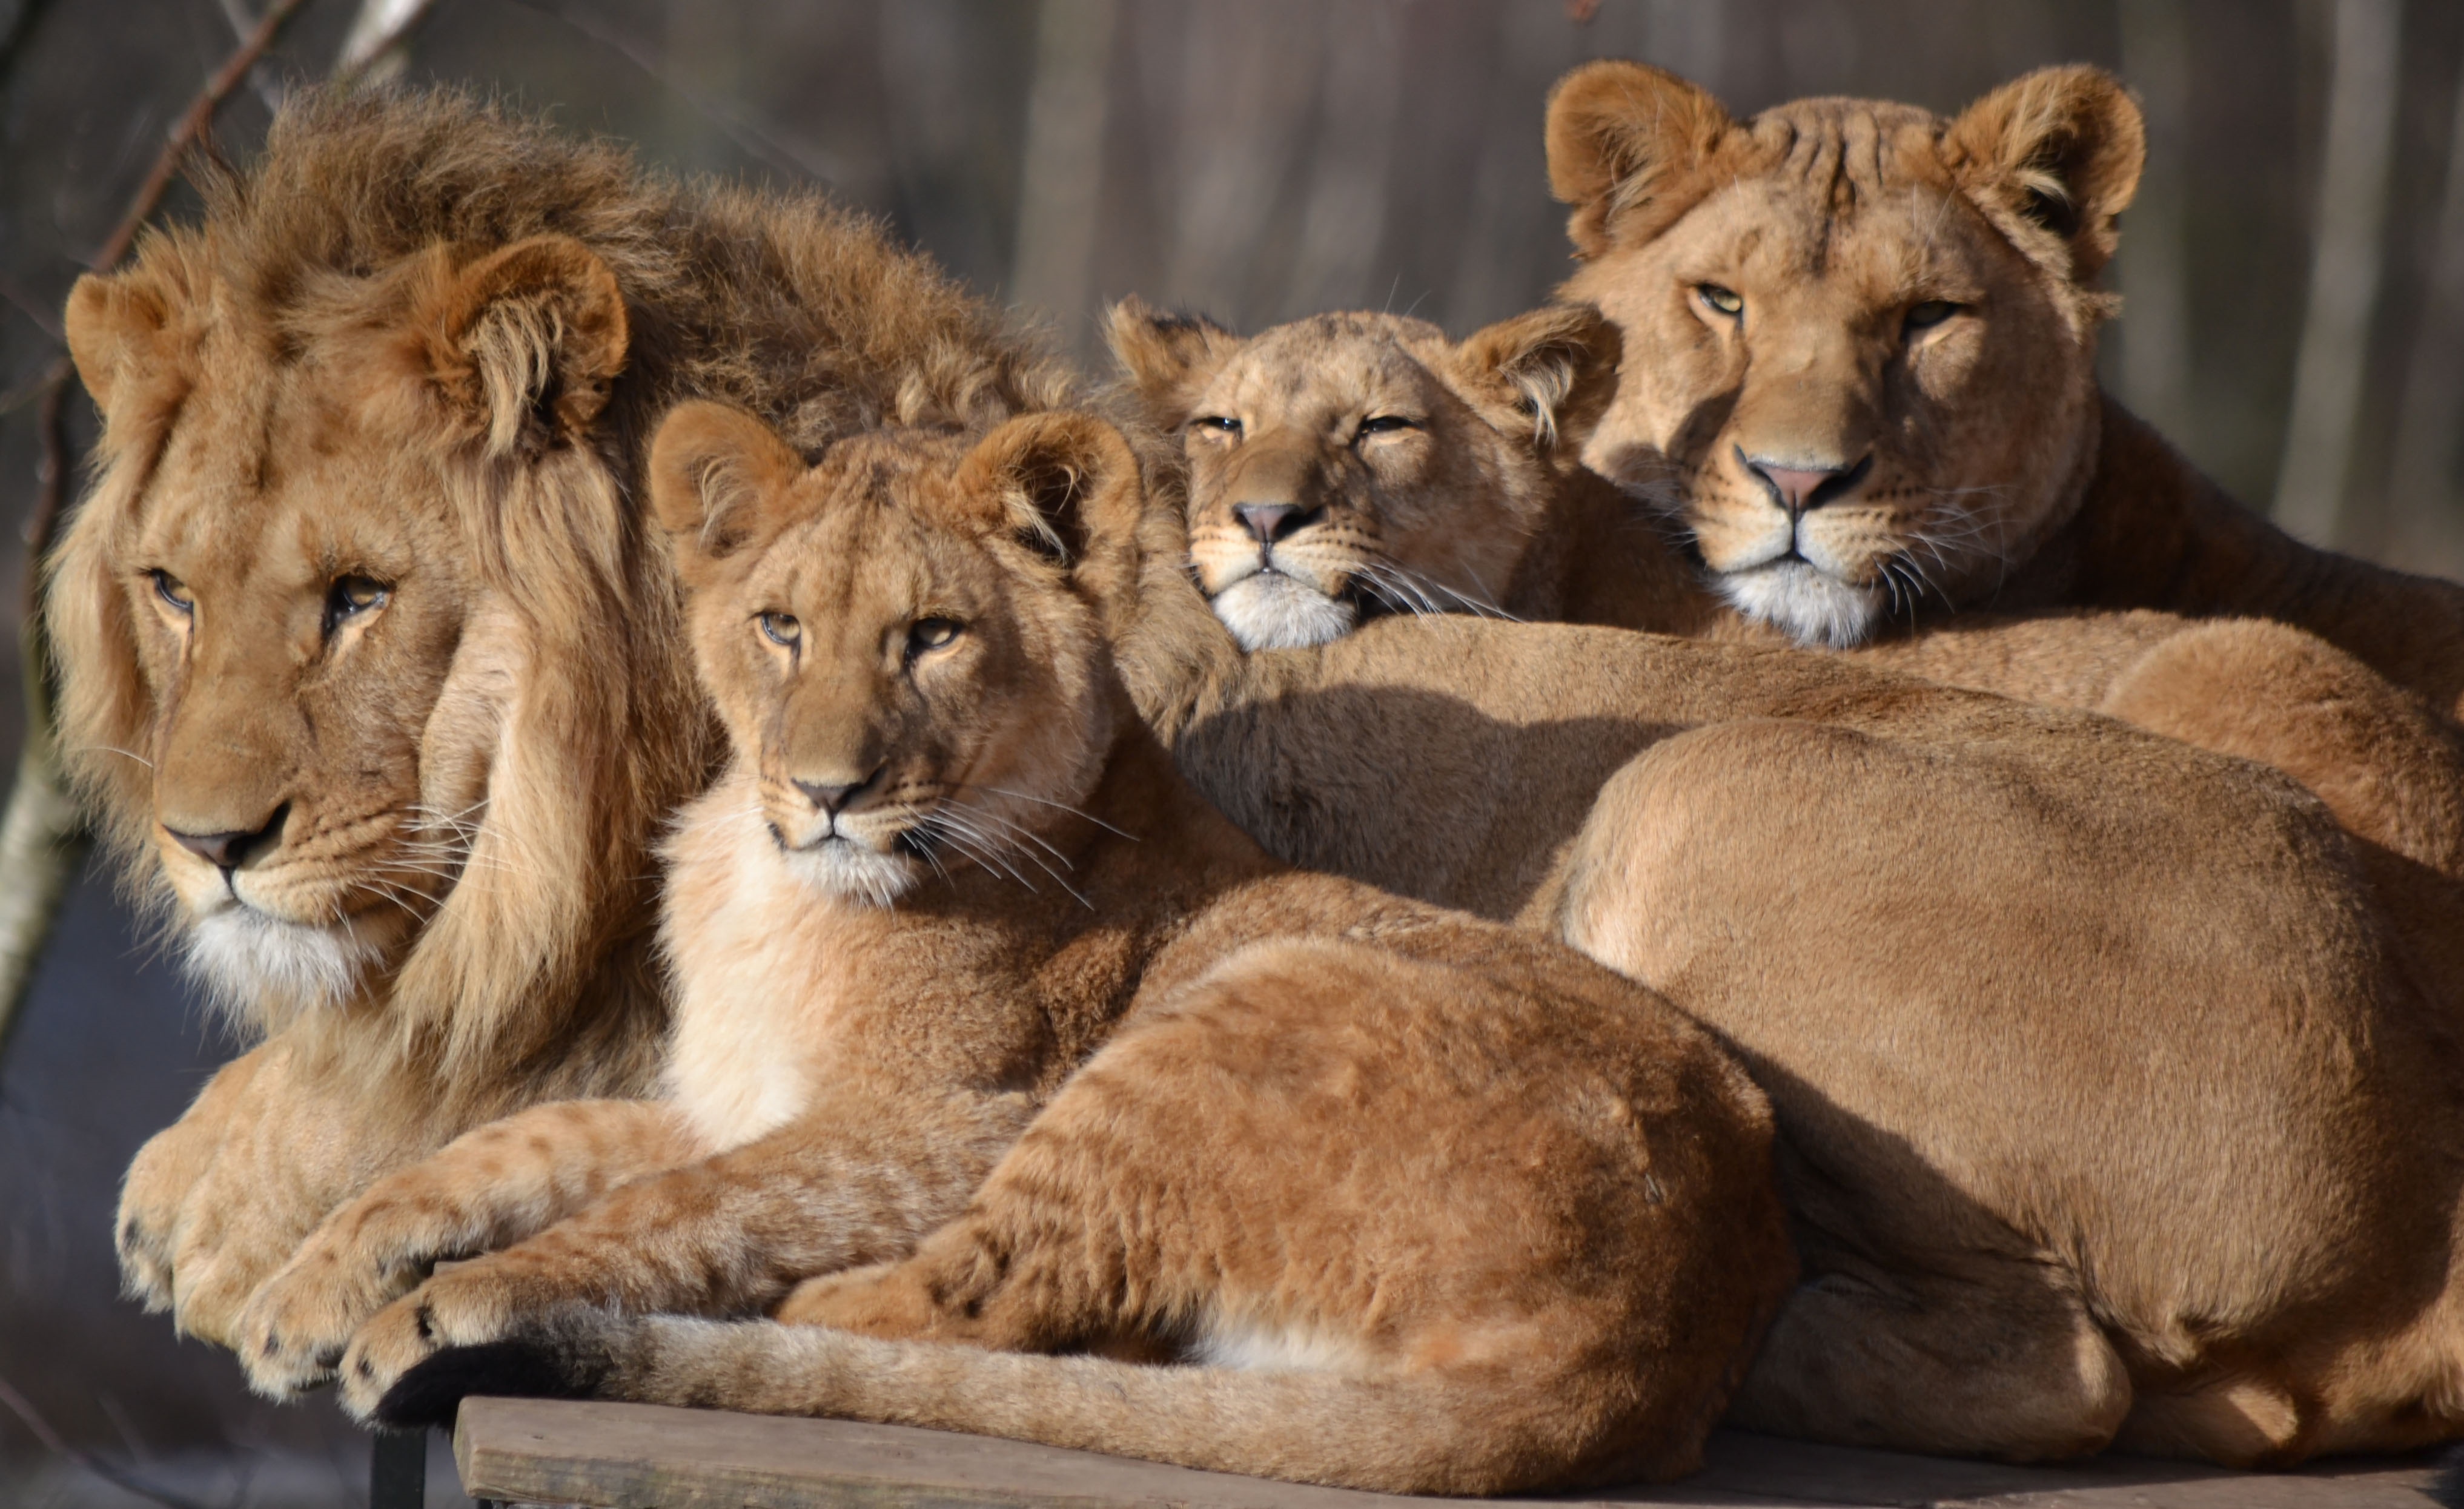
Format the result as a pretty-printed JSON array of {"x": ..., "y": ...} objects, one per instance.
[{"x": 41, "y": 1428}]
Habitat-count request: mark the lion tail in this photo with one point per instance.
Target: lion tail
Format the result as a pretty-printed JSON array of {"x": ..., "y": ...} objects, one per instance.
[{"x": 1474, "y": 1431}]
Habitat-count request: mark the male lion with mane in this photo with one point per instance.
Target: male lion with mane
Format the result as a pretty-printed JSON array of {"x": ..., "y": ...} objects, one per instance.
[
  {"x": 372, "y": 670},
  {"x": 1859, "y": 375}
]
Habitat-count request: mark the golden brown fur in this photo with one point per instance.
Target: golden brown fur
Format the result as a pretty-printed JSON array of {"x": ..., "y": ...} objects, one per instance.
[
  {"x": 1470, "y": 482},
  {"x": 956, "y": 949},
  {"x": 360, "y": 602},
  {"x": 1860, "y": 374},
  {"x": 1983, "y": 956}
]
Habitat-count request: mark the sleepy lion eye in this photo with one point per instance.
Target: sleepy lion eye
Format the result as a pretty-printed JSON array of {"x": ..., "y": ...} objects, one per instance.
[
  {"x": 781, "y": 628},
  {"x": 1383, "y": 425},
  {"x": 1217, "y": 424},
  {"x": 932, "y": 634},
  {"x": 1722, "y": 300},
  {"x": 350, "y": 596},
  {"x": 173, "y": 592},
  {"x": 1929, "y": 313}
]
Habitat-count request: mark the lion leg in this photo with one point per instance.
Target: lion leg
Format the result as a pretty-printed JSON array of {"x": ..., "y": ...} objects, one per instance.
[
  {"x": 153, "y": 1197},
  {"x": 2382, "y": 761},
  {"x": 855, "y": 1183},
  {"x": 486, "y": 1188},
  {"x": 1999, "y": 1362}
]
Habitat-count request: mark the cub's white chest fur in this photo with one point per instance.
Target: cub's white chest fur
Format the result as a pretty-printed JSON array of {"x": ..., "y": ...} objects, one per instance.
[{"x": 759, "y": 993}]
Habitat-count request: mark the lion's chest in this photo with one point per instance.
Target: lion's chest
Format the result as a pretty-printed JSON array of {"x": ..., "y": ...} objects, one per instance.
[{"x": 764, "y": 993}]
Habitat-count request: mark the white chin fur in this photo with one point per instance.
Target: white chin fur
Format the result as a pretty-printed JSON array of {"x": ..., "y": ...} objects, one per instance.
[
  {"x": 1813, "y": 608},
  {"x": 841, "y": 869},
  {"x": 1271, "y": 611},
  {"x": 262, "y": 969}
]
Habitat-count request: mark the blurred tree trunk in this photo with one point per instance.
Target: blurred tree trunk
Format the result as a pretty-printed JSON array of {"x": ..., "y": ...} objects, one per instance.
[
  {"x": 2155, "y": 329},
  {"x": 1344, "y": 223},
  {"x": 1061, "y": 190},
  {"x": 2347, "y": 247},
  {"x": 2422, "y": 477}
]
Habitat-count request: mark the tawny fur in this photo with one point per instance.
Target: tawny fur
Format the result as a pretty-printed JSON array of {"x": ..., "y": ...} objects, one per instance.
[
  {"x": 1434, "y": 1205},
  {"x": 377, "y": 420},
  {"x": 1467, "y": 498},
  {"x": 2117, "y": 1095},
  {"x": 1915, "y": 296}
]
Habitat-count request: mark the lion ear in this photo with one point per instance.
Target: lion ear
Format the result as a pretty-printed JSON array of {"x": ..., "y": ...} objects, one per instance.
[
  {"x": 2054, "y": 157},
  {"x": 1169, "y": 359},
  {"x": 1068, "y": 485},
  {"x": 116, "y": 323},
  {"x": 719, "y": 478},
  {"x": 1560, "y": 364},
  {"x": 525, "y": 342},
  {"x": 1627, "y": 142}
]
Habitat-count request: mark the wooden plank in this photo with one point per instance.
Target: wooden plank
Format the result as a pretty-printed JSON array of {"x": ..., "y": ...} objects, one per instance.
[{"x": 646, "y": 1456}]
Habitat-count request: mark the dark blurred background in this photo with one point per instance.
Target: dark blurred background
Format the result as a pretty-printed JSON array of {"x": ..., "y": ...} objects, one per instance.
[{"x": 2294, "y": 272}]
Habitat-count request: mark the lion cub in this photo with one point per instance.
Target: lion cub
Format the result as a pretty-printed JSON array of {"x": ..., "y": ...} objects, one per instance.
[
  {"x": 1346, "y": 466},
  {"x": 1433, "y": 1205}
]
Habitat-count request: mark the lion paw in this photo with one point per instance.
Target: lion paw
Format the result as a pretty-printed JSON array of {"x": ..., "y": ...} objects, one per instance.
[
  {"x": 293, "y": 1332},
  {"x": 471, "y": 1304}
]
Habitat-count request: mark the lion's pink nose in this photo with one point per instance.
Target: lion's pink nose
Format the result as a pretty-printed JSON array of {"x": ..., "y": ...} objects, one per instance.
[{"x": 1798, "y": 489}]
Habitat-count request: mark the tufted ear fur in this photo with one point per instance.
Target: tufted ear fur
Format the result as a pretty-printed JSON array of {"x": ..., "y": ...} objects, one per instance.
[
  {"x": 719, "y": 478},
  {"x": 1067, "y": 484},
  {"x": 1627, "y": 148},
  {"x": 2054, "y": 158},
  {"x": 524, "y": 342},
  {"x": 1561, "y": 363},
  {"x": 116, "y": 323},
  {"x": 1169, "y": 357}
]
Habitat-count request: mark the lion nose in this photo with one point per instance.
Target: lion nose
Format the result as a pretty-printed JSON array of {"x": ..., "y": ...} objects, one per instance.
[
  {"x": 1270, "y": 521},
  {"x": 1800, "y": 489},
  {"x": 830, "y": 798},
  {"x": 227, "y": 851}
]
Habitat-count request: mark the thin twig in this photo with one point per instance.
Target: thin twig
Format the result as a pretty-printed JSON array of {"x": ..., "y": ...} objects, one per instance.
[
  {"x": 27, "y": 305},
  {"x": 23, "y": 1408}
]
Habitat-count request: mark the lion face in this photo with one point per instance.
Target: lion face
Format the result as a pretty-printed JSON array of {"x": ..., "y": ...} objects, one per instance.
[
  {"x": 327, "y": 591},
  {"x": 1860, "y": 340},
  {"x": 907, "y": 642},
  {"x": 1355, "y": 463}
]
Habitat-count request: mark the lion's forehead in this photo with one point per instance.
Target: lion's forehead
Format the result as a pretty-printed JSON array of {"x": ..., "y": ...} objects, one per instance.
[{"x": 1301, "y": 375}]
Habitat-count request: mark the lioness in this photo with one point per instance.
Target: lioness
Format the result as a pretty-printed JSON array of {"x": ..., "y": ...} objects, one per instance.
[
  {"x": 370, "y": 669},
  {"x": 1860, "y": 373},
  {"x": 1357, "y": 464},
  {"x": 2115, "y": 1105},
  {"x": 955, "y": 947}
]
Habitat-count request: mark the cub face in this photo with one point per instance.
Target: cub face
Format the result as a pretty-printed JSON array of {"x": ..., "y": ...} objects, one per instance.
[
  {"x": 1863, "y": 336},
  {"x": 908, "y": 641},
  {"x": 1354, "y": 464}
]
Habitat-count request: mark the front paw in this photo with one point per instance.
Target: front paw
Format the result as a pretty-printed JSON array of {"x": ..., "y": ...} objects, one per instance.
[
  {"x": 470, "y": 1304},
  {"x": 567, "y": 1355},
  {"x": 152, "y": 1200},
  {"x": 293, "y": 1330}
]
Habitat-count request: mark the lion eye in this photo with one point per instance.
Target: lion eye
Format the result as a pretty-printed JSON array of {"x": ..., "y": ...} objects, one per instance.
[
  {"x": 1724, "y": 300},
  {"x": 173, "y": 591},
  {"x": 1932, "y": 313},
  {"x": 351, "y": 595},
  {"x": 932, "y": 634},
  {"x": 1218, "y": 424},
  {"x": 781, "y": 628},
  {"x": 1383, "y": 425}
]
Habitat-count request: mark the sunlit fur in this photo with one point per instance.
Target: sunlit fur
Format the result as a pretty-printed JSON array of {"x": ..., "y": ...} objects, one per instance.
[
  {"x": 1112, "y": 1081},
  {"x": 1407, "y": 459},
  {"x": 2107, "y": 959},
  {"x": 419, "y": 345},
  {"x": 1920, "y": 293}
]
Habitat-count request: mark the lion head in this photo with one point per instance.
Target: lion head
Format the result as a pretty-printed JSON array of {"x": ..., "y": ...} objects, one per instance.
[
  {"x": 1861, "y": 338},
  {"x": 1349, "y": 464},
  {"x": 907, "y": 642}
]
